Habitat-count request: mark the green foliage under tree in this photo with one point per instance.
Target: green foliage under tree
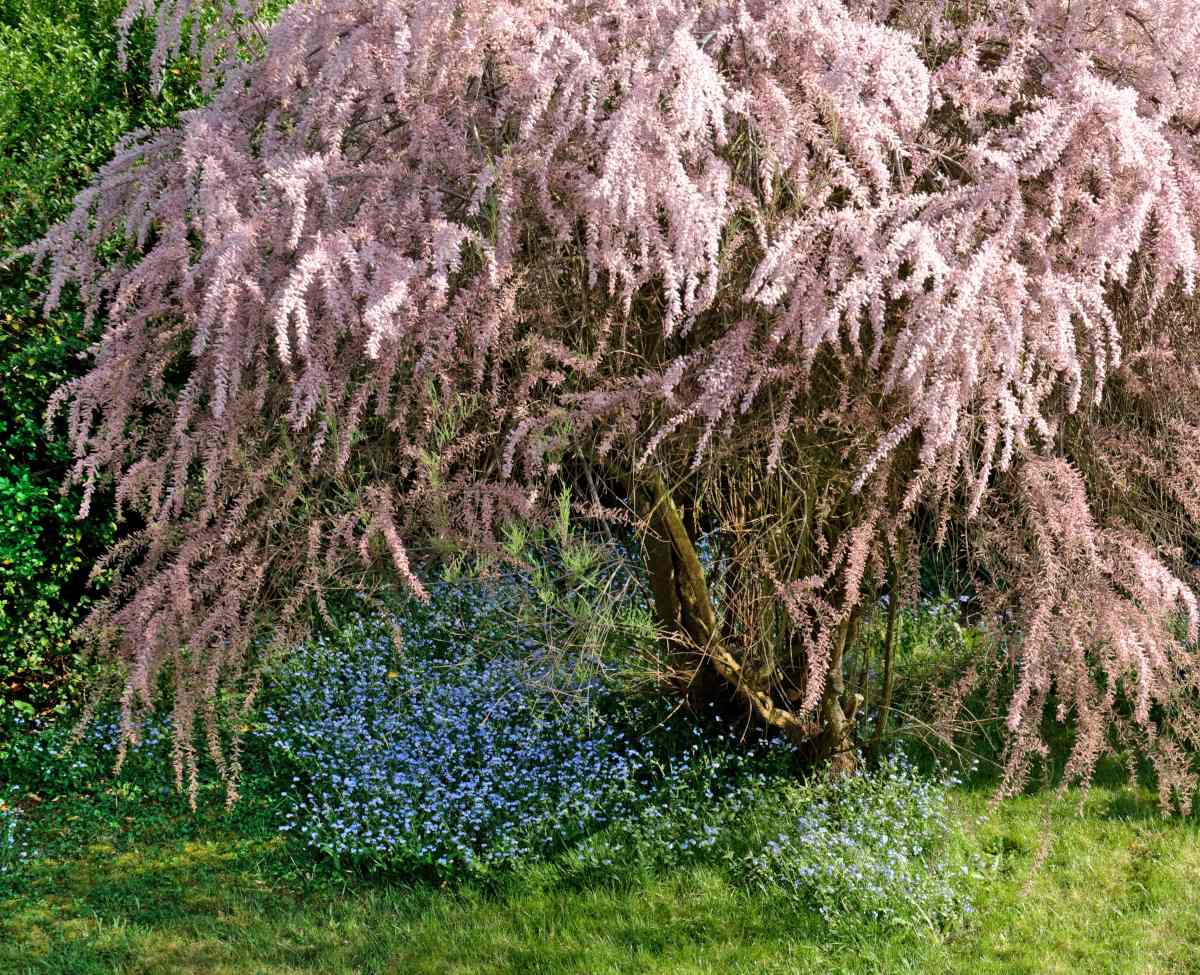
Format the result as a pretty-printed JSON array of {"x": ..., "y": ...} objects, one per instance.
[{"x": 64, "y": 103}]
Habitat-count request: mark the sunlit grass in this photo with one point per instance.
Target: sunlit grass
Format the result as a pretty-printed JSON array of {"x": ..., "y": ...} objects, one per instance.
[{"x": 161, "y": 892}]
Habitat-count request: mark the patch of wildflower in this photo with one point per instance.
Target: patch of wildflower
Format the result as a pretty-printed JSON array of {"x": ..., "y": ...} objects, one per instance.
[
  {"x": 878, "y": 844},
  {"x": 457, "y": 764},
  {"x": 45, "y": 757},
  {"x": 693, "y": 810},
  {"x": 16, "y": 848}
]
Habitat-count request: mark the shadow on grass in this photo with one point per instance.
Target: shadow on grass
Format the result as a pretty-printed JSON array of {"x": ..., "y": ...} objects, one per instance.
[
  {"x": 1117, "y": 886},
  {"x": 207, "y": 907}
]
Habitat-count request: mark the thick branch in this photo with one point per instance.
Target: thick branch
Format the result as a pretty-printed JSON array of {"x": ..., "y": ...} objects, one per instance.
[{"x": 686, "y": 594}]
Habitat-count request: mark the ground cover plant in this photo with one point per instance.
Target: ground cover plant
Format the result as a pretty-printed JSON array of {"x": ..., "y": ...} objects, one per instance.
[
  {"x": 118, "y": 874},
  {"x": 448, "y": 766},
  {"x": 861, "y": 845}
]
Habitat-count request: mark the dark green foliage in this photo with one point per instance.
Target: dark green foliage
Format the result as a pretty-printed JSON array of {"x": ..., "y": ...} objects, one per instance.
[
  {"x": 64, "y": 102},
  {"x": 44, "y": 552}
]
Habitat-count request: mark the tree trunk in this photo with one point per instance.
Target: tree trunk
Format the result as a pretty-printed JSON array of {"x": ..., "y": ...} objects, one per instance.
[
  {"x": 683, "y": 606},
  {"x": 835, "y": 743}
]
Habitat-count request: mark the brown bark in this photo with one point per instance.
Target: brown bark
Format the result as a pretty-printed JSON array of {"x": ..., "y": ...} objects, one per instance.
[
  {"x": 834, "y": 744},
  {"x": 683, "y": 606}
]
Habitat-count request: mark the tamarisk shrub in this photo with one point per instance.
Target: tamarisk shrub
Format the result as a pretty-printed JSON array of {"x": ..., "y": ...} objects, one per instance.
[{"x": 823, "y": 277}]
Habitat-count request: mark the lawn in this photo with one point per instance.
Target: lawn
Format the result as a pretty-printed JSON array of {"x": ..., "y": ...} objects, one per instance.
[{"x": 133, "y": 884}]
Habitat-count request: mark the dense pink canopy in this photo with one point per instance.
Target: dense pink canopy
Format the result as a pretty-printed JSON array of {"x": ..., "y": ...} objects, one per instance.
[{"x": 392, "y": 211}]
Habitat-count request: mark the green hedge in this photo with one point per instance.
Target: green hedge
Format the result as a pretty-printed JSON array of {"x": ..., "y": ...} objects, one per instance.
[{"x": 63, "y": 104}]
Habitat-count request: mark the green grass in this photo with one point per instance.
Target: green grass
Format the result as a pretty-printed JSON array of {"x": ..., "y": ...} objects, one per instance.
[{"x": 134, "y": 885}]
